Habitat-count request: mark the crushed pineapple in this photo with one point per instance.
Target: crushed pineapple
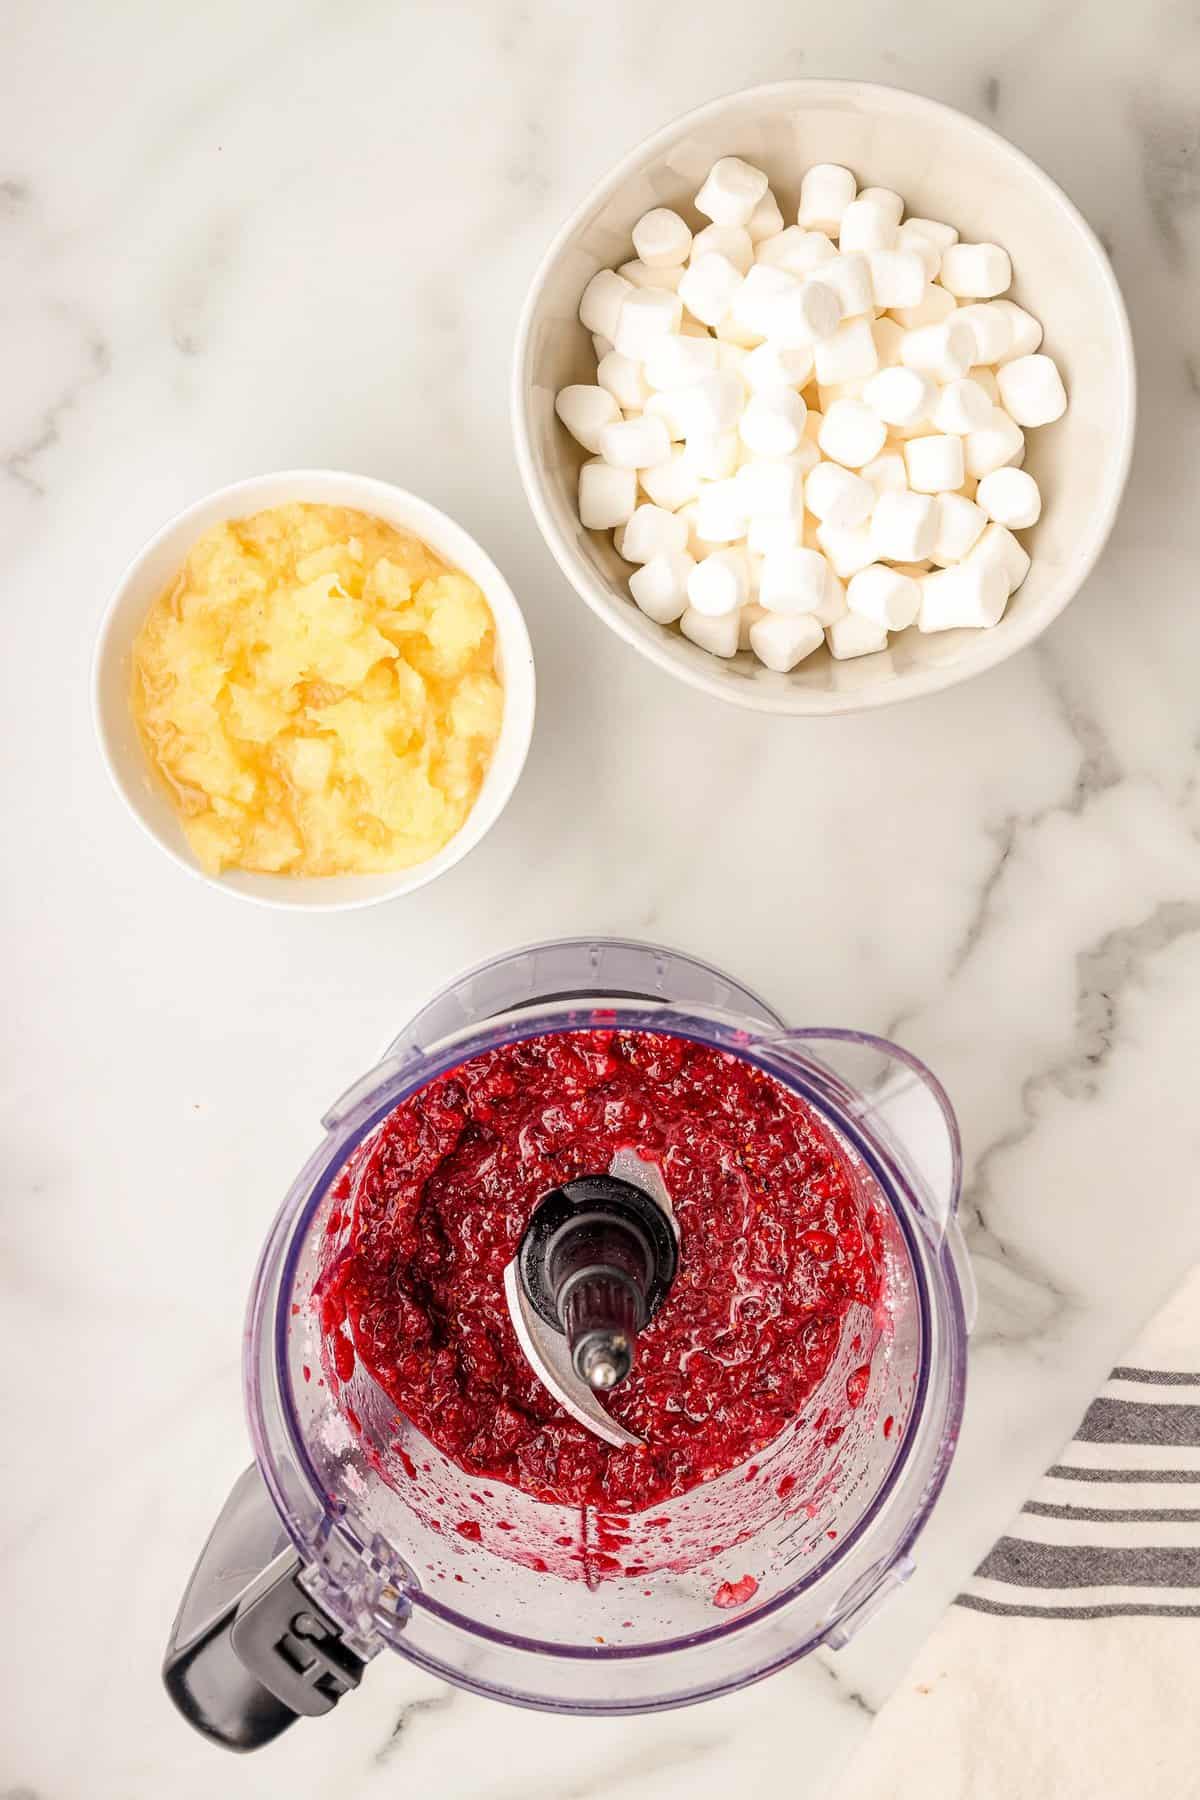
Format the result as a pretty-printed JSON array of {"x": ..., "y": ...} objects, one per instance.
[{"x": 318, "y": 691}]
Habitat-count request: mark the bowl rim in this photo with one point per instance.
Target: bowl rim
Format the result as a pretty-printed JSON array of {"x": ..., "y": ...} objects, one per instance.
[
  {"x": 511, "y": 629},
  {"x": 661, "y": 650}
]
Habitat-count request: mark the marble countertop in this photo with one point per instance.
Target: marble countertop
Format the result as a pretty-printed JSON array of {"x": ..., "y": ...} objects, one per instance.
[{"x": 240, "y": 238}]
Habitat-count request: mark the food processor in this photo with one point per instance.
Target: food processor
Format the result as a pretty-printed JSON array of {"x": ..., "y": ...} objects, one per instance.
[{"x": 340, "y": 1540}]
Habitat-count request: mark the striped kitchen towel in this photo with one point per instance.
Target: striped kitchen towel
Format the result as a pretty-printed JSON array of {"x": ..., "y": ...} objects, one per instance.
[{"x": 1069, "y": 1667}]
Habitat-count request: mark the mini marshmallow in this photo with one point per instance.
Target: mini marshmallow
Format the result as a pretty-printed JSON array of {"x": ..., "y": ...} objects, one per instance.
[
  {"x": 888, "y": 338},
  {"x": 652, "y": 531},
  {"x": 903, "y": 527},
  {"x": 849, "y": 355},
  {"x": 1031, "y": 390},
  {"x": 718, "y": 636},
  {"x": 935, "y": 464},
  {"x": 720, "y": 584},
  {"x": 837, "y": 495},
  {"x": 1010, "y": 497},
  {"x": 731, "y": 192},
  {"x": 676, "y": 362},
  {"x": 671, "y": 484},
  {"x": 849, "y": 275},
  {"x": 667, "y": 408},
  {"x": 721, "y": 512},
  {"x": 995, "y": 444},
  {"x": 802, "y": 314},
  {"x": 975, "y": 271},
  {"x": 993, "y": 333},
  {"x": 887, "y": 473},
  {"x": 647, "y": 315},
  {"x": 998, "y": 548},
  {"x": 825, "y": 192},
  {"x": 731, "y": 359},
  {"x": 766, "y": 221},
  {"x": 962, "y": 406},
  {"x": 792, "y": 581},
  {"x": 607, "y": 496},
  {"x": 969, "y": 594},
  {"x": 943, "y": 351},
  {"x": 781, "y": 640},
  {"x": 959, "y": 524},
  {"x": 770, "y": 365},
  {"x": 661, "y": 238},
  {"x": 848, "y": 548},
  {"x": 711, "y": 405},
  {"x": 897, "y": 277},
  {"x": 852, "y": 434},
  {"x": 866, "y": 226},
  {"x": 833, "y": 606},
  {"x": 927, "y": 254},
  {"x": 708, "y": 287},
  {"x": 941, "y": 236},
  {"x": 799, "y": 252},
  {"x": 772, "y": 488},
  {"x": 636, "y": 443},
  {"x": 773, "y": 422},
  {"x": 1025, "y": 333},
  {"x": 623, "y": 378},
  {"x": 585, "y": 411},
  {"x": 641, "y": 275},
  {"x": 884, "y": 595},
  {"x": 934, "y": 306},
  {"x": 660, "y": 586},
  {"x": 887, "y": 200},
  {"x": 767, "y": 533},
  {"x": 714, "y": 455},
  {"x": 762, "y": 287},
  {"x": 603, "y": 298},
  {"x": 900, "y": 396},
  {"x": 853, "y": 635},
  {"x": 732, "y": 242}
]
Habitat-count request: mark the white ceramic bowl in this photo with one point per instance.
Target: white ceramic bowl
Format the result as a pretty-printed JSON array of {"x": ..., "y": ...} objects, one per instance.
[
  {"x": 155, "y": 566},
  {"x": 947, "y": 167}
]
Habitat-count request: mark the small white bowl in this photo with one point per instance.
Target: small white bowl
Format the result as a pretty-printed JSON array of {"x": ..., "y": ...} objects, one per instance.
[
  {"x": 154, "y": 568},
  {"x": 947, "y": 167}
]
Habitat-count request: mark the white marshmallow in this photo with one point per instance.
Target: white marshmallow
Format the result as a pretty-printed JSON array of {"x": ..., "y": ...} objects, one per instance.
[
  {"x": 766, "y": 221},
  {"x": 993, "y": 445},
  {"x": 624, "y": 380},
  {"x": 731, "y": 192},
  {"x": 993, "y": 333},
  {"x": 900, "y": 396},
  {"x": 799, "y": 252},
  {"x": 848, "y": 548},
  {"x": 887, "y": 200},
  {"x": 676, "y": 362},
  {"x": 944, "y": 351},
  {"x": 672, "y": 483},
  {"x": 652, "y": 531},
  {"x": 666, "y": 407},
  {"x": 903, "y": 527},
  {"x": 838, "y": 495},
  {"x": 853, "y": 635},
  {"x": 897, "y": 277},
  {"x": 770, "y": 365},
  {"x": 660, "y": 586},
  {"x": 975, "y": 271},
  {"x": 887, "y": 473},
  {"x": 772, "y": 488},
  {"x": 603, "y": 298},
  {"x": 941, "y": 236},
  {"x": 767, "y": 533},
  {"x": 1031, "y": 390},
  {"x": 833, "y": 606},
  {"x": 714, "y": 455},
  {"x": 721, "y": 512},
  {"x": 969, "y": 594},
  {"x": 825, "y": 192},
  {"x": 647, "y": 315},
  {"x": 773, "y": 422},
  {"x": 962, "y": 406},
  {"x": 888, "y": 338},
  {"x": 641, "y": 275},
  {"x": 708, "y": 287},
  {"x": 935, "y": 464},
  {"x": 792, "y": 581},
  {"x": 661, "y": 238},
  {"x": 764, "y": 285},
  {"x": 852, "y": 434},
  {"x": 731, "y": 358},
  {"x": 803, "y": 313},
  {"x": 1025, "y": 333},
  {"x": 866, "y": 226},
  {"x": 781, "y": 640},
  {"x": 697, "y": 547},
  {"x": 934, "y": 306},
  {"x": 711, "y": 405},
  {"x": 740, "y": 337},
  {"x": 998, "y": 548},
  {"x": 849, "y": 355},
  {"x": 720, "y": 584},
  {"x": 927, "y": 254},
  {"x": 636, "y": 443},
  {"x": 1010, "y": 497},
  {"x": 959, "y": 524},
  {"x": 733, "y": 242},
  {"x": 849, "y": 276},
  {"x": 585, "y": 411},
  {"x": 718, "y": 636},
  {"x": 884, "y": 595},
  {"x": 607, "y": 496}
]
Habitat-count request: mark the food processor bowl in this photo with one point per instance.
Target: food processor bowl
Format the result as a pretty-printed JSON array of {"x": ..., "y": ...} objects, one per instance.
[{"x": 345, "y": 1537}]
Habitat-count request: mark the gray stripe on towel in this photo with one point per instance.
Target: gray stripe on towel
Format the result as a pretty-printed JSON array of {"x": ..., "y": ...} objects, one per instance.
[
  {"x": 1117, "y": 1515},
  {"x": 1160, "y": 1377},
  {"x": 1139, "y": 1422},
  {"x": 1068, "y": 1472},
  {"x": 1123, "y": 1609},
  {"x": 1025, "y": 1564}
]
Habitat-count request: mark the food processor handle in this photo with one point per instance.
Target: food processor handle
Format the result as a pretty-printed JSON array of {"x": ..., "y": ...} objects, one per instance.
[{"x": 251, "y": 1651}]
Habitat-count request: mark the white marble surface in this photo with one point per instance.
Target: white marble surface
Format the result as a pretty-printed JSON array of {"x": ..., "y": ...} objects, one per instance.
[{"x": 244, "y": 237}]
